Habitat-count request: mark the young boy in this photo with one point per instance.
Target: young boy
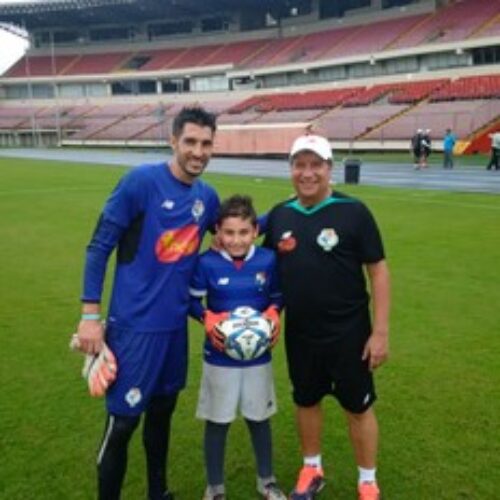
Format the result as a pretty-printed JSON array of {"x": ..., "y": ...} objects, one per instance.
[{"x": 239, "y": 274}]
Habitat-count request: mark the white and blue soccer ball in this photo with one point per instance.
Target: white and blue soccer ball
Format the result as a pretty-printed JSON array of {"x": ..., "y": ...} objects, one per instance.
[{"x": 247, "y": 334}]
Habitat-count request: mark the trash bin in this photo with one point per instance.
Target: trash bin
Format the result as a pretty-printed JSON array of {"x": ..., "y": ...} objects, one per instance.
[{"x": 352, "y": 167}]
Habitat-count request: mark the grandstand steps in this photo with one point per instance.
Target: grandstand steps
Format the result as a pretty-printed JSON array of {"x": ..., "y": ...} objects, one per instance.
[
  {"x": 102, "y": 128},
  {"x": 118, "y": 67},
  {"x": 294, "y": 42},
  {"x": 179, "y": 56},
  {"x": 332, "y": 50},
  {"x": 480, "y": 141},
  {"x": 391, "y": 118},
  {"x": 206, "y": 61},
  {"x": 252, "y": 55},
  {"x": 418, "y": 20},
  {"x": 426, "y": 19},
  {"x": 485, "y": 26},
  {"x": 143, "y": 131},
  {"x": 75, "y": 120},
  {"x": 68, "y": 66},
  {"x": 324, "y": 53}
]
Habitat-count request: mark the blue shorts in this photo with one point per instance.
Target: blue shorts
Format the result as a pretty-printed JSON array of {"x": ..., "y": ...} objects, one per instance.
[{"x": 149, "y": 364}]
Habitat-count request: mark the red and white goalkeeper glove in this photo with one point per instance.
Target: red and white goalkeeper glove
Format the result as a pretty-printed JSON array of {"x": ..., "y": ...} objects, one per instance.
[
  {"x": 210, "y": 321},
  {"x": 272, "y": 315},
  {"x": 99, "y": 370}
]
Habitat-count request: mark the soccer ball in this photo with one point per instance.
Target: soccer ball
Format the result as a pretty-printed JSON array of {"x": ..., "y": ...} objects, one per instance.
[{"x": 247, "y": 334}]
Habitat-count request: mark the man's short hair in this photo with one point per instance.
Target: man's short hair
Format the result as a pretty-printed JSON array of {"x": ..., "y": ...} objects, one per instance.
[
  {"x": 196, "y": 115},
  {"x": 237, "y": 206}
]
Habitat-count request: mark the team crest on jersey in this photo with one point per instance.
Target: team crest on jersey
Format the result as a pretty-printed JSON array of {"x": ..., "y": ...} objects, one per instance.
[
  {"x": 198, "y": 209},
  {"x": 327, "y": 239},
  {"x": 133, "y": 397},
  {"x": 260, "y": 278},
  {"x": 174, "y": 244},
  {"x": 287, "y": 242}
]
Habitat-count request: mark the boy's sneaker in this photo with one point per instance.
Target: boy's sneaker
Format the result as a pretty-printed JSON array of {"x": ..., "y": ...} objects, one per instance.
[
  {"x": 271, "y": 491},
  {"x": 311, "y": 481},
  {"x": 368, "y": 491},
  {"x": 210, "y": 494}
]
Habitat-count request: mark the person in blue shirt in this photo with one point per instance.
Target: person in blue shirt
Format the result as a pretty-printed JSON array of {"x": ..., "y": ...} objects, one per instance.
[
  {"x": 239, "y": 274},
  {"x": 156, "y": 218},
  {"x": 449, "y": 142}
]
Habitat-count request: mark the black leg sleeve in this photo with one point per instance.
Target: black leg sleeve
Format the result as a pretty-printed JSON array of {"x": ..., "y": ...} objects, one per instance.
[
  {"x": 112, "y": 457},
  {"x": 156, "y": 438}
]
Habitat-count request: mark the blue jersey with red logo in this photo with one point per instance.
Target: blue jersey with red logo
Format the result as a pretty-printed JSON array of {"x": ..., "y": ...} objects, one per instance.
[
  {"x": 227, "y": 284},
  {"x": 161, "y": 224}
]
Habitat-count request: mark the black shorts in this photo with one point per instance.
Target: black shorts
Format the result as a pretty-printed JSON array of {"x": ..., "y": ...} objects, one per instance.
[{"x": 335, "y": 368}]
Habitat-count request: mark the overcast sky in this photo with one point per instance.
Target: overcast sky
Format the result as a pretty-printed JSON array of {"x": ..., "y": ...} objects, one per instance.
[{"x": 11, "y": 47}]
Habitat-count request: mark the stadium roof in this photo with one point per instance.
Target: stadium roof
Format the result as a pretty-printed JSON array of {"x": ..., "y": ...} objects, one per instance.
[{"x": 58, "y": 13}]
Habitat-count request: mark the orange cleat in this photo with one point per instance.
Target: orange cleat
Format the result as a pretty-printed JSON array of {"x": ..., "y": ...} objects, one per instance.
[
  {"x": 368, "y": 491},
  {"x": 311, "y": 481}
]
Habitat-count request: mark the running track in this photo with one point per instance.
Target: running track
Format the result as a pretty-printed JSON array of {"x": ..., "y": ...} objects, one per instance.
[{"x": 462, "y": 179}]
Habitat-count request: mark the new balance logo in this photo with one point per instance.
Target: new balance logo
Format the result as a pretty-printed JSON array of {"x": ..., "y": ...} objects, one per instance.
[{"x": 168, "y": 204}]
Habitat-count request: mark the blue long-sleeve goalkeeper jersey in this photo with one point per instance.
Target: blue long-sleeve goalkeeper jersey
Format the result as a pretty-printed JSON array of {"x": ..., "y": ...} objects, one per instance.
[
  {"x": 227, "y": 286},
  {"x": 157, "y": 224}
]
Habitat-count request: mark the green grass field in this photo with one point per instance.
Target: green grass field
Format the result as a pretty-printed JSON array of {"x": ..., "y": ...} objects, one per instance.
[{"x": 439, "y": 396}]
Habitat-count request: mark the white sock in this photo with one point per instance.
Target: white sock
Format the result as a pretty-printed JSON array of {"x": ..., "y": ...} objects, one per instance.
[
  {"x": 313, "y": 461},
  {"x": 366, "y": 475}
]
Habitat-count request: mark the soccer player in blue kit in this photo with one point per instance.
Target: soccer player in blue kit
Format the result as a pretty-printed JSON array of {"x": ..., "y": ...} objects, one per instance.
[
  {"x": 239, "y": 274},
  {"x": 156, "y": 217}
]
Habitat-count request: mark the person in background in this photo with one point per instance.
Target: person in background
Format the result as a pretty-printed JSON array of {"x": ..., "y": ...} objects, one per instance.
[
  {"x": 494, "y": 162},
  {"x": 449, "y": 142},
  {"x": 426, "y": 148},
  {"x": 416, "y": 149}
]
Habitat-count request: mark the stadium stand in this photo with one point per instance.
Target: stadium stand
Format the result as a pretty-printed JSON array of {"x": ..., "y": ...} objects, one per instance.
[
  {"x": 371, "y": 38},
  {"x": 472, "y": 87},
  {"x": 97, "y": 63},
  {"x": 350, "y": 123},
  {"x": 457, "y": 21},
  {"x": 376, "y": 77},
  {"x": 464, "y": 117},
  {"x": 41, "y": 65},
  {"x": 409, "y": 93}
]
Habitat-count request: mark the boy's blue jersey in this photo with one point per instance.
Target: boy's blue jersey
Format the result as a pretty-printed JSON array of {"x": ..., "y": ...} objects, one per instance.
[
  {"x": 227, "y": 286},
  {"x": 163, "y": 221}
]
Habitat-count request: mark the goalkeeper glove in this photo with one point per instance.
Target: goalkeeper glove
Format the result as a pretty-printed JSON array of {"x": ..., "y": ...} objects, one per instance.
[
  {"x": 211, "y": 320},
  {"x": 272, "y": 315},
  {"x": 99, "y": 370}
]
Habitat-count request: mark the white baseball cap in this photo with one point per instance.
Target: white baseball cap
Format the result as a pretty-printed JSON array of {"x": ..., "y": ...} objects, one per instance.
[{"x": 314, "y": 143}]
